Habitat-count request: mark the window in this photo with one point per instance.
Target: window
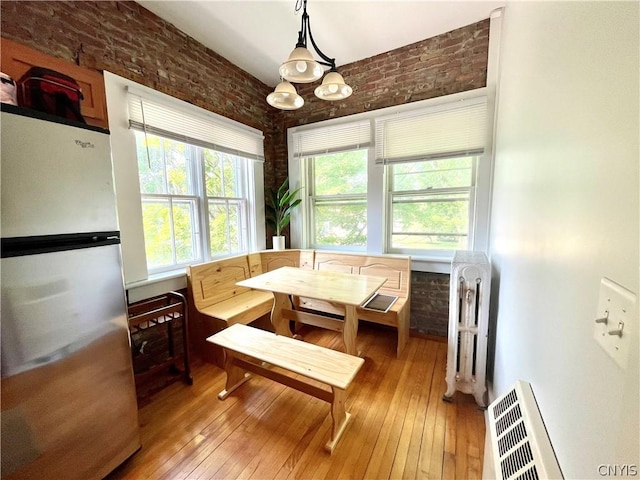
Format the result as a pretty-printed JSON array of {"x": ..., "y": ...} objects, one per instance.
[
  {"x": 419, "y": 187},
  {"x": 338, "y": 199},
  {"x": 335, "y": 184},
  {"x": 227, "y": 203},
  {"x": 430, "y": 203},
  {"x": 169, "y": 193},
  {"x": 198, "y": 197}
]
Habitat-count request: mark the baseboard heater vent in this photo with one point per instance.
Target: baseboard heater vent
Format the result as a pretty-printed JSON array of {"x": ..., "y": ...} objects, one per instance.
[{"x": 518, "y": 446}]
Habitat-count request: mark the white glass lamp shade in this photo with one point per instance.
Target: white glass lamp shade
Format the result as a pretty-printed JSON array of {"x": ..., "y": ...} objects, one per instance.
[
  {"x": 301, "y": 67},
  {"x": 333, "y": 87},
  {"x": 285, "y": 97}
]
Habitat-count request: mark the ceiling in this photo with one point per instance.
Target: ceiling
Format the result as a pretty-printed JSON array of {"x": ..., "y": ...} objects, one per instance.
[{"x": 258, "y": 35}]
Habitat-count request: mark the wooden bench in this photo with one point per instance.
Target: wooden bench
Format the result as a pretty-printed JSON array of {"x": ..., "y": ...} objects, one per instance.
[
  {"x": 213, "y": 288},
  {"x": 250, "y": 349},
  {"x": 218, "y": 302},
  {"x": 216, "y": 295},
  {"x": 397, "y": 271}
]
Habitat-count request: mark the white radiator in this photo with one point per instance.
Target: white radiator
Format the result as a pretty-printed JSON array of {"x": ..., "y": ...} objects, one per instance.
[
  {"x": 468, "y": 325},
  {"x": 517, "y": 444}
]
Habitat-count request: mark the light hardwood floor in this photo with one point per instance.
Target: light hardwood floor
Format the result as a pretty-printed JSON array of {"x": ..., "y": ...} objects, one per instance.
[{"x": 400, "y": 427}]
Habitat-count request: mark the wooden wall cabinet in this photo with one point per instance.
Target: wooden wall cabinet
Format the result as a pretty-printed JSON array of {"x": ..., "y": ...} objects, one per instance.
[{"x": 16, "y": 59}]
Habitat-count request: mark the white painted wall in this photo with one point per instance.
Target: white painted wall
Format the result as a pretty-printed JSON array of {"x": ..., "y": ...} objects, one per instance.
[{"x": 565, "y": 213}]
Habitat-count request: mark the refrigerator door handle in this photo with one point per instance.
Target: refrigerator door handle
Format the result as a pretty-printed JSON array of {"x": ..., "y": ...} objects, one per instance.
[{"x": 22, "y": 246}]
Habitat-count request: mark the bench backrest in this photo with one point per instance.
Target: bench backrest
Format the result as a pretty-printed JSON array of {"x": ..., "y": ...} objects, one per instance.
[
  {"x": 396, "y": 269},
  {"x": 274, "y": 259},
  {"x": 215, "y": 281}
]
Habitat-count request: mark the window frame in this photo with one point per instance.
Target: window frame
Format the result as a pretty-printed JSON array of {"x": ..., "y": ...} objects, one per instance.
[{"x": 148, "y": 198}]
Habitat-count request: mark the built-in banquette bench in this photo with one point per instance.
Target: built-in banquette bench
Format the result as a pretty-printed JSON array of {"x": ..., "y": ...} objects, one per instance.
[
  {"x": 397, "y": 271},
  {"x": 220, "y": 302}
]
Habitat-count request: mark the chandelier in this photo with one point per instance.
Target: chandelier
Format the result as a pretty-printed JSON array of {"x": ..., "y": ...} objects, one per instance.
[{"x": 301, "y": 67}]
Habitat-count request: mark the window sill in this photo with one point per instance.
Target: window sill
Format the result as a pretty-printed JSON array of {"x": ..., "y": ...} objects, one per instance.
[
  {"x": 156, "y": 284},
  {"x": 431, "y": 264}
]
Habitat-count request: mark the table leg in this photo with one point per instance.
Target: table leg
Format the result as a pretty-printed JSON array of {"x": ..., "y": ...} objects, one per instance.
[
  {"x": 350, "y": 331},
  {"x": 280, "y": 324}
]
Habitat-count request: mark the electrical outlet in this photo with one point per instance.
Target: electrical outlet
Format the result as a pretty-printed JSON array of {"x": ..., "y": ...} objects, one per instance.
[{"x": 615, "y": 319}]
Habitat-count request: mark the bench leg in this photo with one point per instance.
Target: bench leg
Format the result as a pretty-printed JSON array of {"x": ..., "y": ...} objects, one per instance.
[
  {"x": 340, "y": 418},
  {"x": 235, "y": 376}
]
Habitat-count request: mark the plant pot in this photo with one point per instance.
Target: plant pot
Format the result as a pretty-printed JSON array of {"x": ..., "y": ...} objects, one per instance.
[{"x": 278, "y": 243}]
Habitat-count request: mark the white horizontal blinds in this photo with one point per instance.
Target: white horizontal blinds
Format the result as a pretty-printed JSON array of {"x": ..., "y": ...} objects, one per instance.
[
  {"x": 335, "y": 138},
  {"x": 171, "y": 120},
  {"x": 443, "y": 131}
]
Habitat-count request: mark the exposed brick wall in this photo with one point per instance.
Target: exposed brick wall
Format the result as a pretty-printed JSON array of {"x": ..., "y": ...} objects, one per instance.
[
  {"x": 430, "y": 303},
  {"x": 128, "y": 40}
]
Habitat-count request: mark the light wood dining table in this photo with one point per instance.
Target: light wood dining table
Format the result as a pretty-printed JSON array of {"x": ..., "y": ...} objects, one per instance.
[{"x": 346, "y": 290}]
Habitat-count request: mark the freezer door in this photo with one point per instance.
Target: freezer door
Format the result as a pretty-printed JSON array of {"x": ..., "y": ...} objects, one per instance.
[
  {"x": 68, "y": 397},
  {"x": 56, "y": 178}
]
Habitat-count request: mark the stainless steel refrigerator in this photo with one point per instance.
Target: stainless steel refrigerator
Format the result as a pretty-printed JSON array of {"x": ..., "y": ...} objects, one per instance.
[{"x": 68, "y": 395}]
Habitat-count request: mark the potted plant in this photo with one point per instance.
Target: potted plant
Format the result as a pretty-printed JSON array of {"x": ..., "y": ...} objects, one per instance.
[{"x": 280, "y": 203}]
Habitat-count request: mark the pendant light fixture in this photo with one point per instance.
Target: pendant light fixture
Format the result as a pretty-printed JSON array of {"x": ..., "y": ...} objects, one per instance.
[
  {"x": 301, "y": 67},
  {"x": 285, "y": 97}
]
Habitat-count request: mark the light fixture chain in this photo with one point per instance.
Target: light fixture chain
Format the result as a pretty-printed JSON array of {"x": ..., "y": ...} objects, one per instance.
[{"x": 302, "y": 33}]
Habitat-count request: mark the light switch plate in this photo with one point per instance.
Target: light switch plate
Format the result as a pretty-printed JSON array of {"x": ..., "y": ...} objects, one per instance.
[{"x": 617, "y": 305}]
